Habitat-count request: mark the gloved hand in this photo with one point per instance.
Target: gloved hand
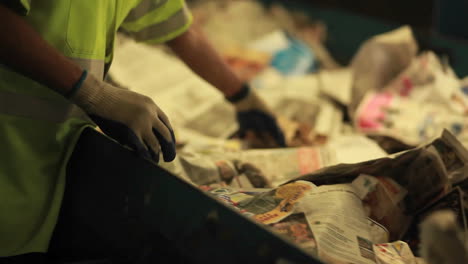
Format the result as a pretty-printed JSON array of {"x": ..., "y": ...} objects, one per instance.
[
  {"x": 130, "y": 118},
  {"x": 253, "y": 115}
]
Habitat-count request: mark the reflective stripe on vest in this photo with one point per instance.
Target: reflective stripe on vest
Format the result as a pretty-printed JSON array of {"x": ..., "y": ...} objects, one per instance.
[
  {"x": 143, "y": 8},
  {"x": 175, "y": 22},
  {"x": 96, "y": 67},
  {"x": 40, "y": 109}
]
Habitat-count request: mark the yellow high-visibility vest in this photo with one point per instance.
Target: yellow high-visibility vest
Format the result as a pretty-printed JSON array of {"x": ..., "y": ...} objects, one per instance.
[{"x": 38, "y": 127}]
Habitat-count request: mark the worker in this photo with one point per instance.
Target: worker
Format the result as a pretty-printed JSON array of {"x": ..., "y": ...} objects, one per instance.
[{"x": 54, "y": 56}]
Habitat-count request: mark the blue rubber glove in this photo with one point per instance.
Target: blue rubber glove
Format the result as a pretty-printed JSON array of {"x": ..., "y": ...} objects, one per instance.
[
  {"x": 254, "y": 115},
  {"x": 130, "y": 118}
]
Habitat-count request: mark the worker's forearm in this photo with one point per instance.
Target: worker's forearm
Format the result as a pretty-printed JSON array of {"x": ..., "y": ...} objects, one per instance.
[
  {"x": 25, "y": 51},
  {"x": 201, "y": 57}
]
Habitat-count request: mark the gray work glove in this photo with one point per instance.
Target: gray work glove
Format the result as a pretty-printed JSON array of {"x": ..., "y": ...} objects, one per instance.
[{"x": 130, "y": 118}]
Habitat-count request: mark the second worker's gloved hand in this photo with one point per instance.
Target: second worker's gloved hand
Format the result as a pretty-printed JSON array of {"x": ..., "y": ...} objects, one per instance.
[
  {"x": 130, "y": 118},
  {"x": 253, "y": 115}
]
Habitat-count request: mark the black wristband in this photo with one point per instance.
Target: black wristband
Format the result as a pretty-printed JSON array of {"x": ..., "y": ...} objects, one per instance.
[
  {"x": 77, "y": 85},
  {"x": 244, "y": 91}
]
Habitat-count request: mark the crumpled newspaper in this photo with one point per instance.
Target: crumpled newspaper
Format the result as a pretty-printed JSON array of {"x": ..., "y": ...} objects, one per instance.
[
  {"x": 202, "y": 170},
  {"x": 421, "y": 101}
]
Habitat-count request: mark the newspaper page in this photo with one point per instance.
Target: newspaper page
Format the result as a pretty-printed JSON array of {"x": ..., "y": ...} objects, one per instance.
[
  {"x": 327, "y": 221},
  {"x": 339, "y": 224},
  {"x": 297, "y": 229}
]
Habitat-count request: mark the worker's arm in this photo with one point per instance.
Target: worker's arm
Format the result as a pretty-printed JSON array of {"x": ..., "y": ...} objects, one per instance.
[
  {"x": 131, "y": 118},
  {"x": 193, "y": 48},
  {"x": 24, "y": 50},
  {"x": 252, "y": 113}
]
